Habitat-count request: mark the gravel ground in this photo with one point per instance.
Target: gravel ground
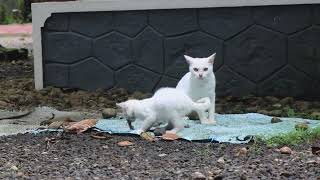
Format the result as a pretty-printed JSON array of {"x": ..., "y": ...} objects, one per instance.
[{"x": 56, "y": 155}]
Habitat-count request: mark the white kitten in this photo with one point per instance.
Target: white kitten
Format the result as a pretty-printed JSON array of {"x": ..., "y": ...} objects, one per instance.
[
  {"x": 167, "y": 105},
  {"x": 200, "y": 82}
]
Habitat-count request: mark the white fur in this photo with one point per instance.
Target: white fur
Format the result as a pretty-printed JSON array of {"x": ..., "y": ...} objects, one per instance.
[
  {"x": 200, "y": 82},
  {"x": 167, "y": 105}
]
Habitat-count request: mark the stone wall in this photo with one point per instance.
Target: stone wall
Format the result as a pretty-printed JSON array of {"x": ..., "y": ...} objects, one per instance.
[{"x": 270, "y": 50}]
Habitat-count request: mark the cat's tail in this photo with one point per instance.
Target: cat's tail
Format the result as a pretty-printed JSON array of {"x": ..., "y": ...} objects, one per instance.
[{"x": 202, "y": 104}]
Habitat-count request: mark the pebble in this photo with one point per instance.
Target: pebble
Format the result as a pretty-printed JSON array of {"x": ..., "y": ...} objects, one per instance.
[
  {"x": 275, "y": 120},
  {"x": 14, "y": 168},
  {"x": 315, "y": 114},
  {"x": 162, "y": 155},
  {"x": 277, "y": 105},
  {"x": 198, "y": 176},
  {"x": 109, "y": 113},
  {"x": 271, "y": 99},
  {"x": 3, "y": 104},
  {"x": 302, "y": 105},
  {"x": 221, "y": 160},
  {"x": 286, "y": 100},
  {"x": 285, "y": 150}
]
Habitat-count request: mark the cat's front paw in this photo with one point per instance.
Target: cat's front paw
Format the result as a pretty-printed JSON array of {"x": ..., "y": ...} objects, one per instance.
[
  {"x": 137, "y": 131},
  {"x": 210, "y": 122}
]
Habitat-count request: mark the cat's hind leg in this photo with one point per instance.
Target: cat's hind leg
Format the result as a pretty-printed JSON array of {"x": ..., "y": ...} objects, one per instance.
[
  {"x": 177, "y": 124},
  {"x": 147, "y": 124}
]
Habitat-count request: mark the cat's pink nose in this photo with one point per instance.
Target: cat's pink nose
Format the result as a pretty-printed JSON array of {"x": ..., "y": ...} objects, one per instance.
[{"x": 200, "y": 75}]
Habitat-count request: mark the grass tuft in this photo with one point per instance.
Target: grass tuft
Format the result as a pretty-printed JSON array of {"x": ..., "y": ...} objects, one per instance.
[{"x": 293, "y": 138}]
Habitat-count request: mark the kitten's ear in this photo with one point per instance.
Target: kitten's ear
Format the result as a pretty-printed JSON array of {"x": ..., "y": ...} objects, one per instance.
[
  {"x": 120, "y": 105},
  {"x": 211, "y": 58},
  {"x": 188, "y": 59}
]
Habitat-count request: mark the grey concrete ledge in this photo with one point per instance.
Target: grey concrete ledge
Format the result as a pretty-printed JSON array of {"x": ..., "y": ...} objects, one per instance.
[{"x": 42, "y": 11}]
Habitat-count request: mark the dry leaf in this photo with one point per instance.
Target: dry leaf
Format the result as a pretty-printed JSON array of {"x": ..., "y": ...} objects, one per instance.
[
  {"x": 149, "y": 136},
  {"x": 170, "y": 136},
  {"x": 242, "y": 152},
  {"x": 125, "y": 143},
  {"x": 61, "y": 124},
  {"x": 81, "y": 126},
  {"x": 98, "y": 137}
]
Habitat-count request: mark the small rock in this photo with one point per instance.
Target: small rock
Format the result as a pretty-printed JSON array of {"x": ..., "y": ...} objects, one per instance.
[
  {"x": 252, "y": 109},
  {"x": 221, "y": 160},
  {"x": 271, "y": 113},
  {"x": 302, "y": 105},
  {"x": 275, "y": 120},
  {"x": 275, "y": 113},
  {"x": 138, "y": 95},
  {"x": 285, "y": 150},
  {"x": 198, "y": 176},
  {"x": 162, "y": 155},
  {"x": 109, "y": 113},
  {"x": 301, "y": 126},
  {"x": 315, "y": 114},
  {"x": 3, "y": 104},
  {"x": 14, "y": 168},
  {"x": 277, "y": 105},
  {"x": 265, "y": 112},
  {"x": 271, "y": 99},
  {"x": 286, "y": 101}
]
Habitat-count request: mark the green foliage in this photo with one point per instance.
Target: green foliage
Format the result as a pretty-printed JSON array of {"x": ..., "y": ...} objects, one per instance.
[
  {"x": 289, "y": 112},
  {"x": 294, "y": 138},
  {"x": 6, "y": 14}
]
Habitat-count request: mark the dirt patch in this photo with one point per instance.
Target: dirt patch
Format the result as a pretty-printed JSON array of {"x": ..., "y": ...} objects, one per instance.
[
  {"x": 81, "y": 156},
  {"x": 17, "y": 92}
]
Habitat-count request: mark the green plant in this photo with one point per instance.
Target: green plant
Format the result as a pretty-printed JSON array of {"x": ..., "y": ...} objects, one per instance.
[
  {"x": 289, "y": 112},
  {"x": 294, "y": 138}
]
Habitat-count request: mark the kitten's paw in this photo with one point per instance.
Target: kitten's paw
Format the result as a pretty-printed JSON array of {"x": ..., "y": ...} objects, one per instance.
[
  {"x": 137, "y": 131},
  {"x": 210, "y": 122}
]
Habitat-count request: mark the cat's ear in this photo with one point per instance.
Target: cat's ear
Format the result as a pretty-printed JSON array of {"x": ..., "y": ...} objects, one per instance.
[
  {"x": 211, "y": 58},
  {"x": 120, "y": 105},
  {"x": 188, "y": 59}
]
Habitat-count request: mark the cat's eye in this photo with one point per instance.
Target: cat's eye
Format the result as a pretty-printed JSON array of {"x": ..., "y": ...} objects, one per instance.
[
  {"x": 196, "y": 69},
  {"x": 205, "y": 69}
]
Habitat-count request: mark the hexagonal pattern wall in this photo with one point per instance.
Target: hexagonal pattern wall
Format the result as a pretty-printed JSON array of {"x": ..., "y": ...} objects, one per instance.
[{"x": 270, "y": 50}]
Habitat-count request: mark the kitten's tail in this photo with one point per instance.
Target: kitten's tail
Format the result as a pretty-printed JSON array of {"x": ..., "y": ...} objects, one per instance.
[{"x": 202, "y": 104}]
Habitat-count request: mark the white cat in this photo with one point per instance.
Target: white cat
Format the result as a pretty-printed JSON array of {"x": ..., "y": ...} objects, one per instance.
[
  {"x": 167, "y": 105},
  {"x": 200, "y": 82}
]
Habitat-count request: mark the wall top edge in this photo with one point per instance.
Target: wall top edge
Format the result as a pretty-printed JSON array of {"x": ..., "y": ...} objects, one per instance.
[{"x": 118, "y": 5}]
